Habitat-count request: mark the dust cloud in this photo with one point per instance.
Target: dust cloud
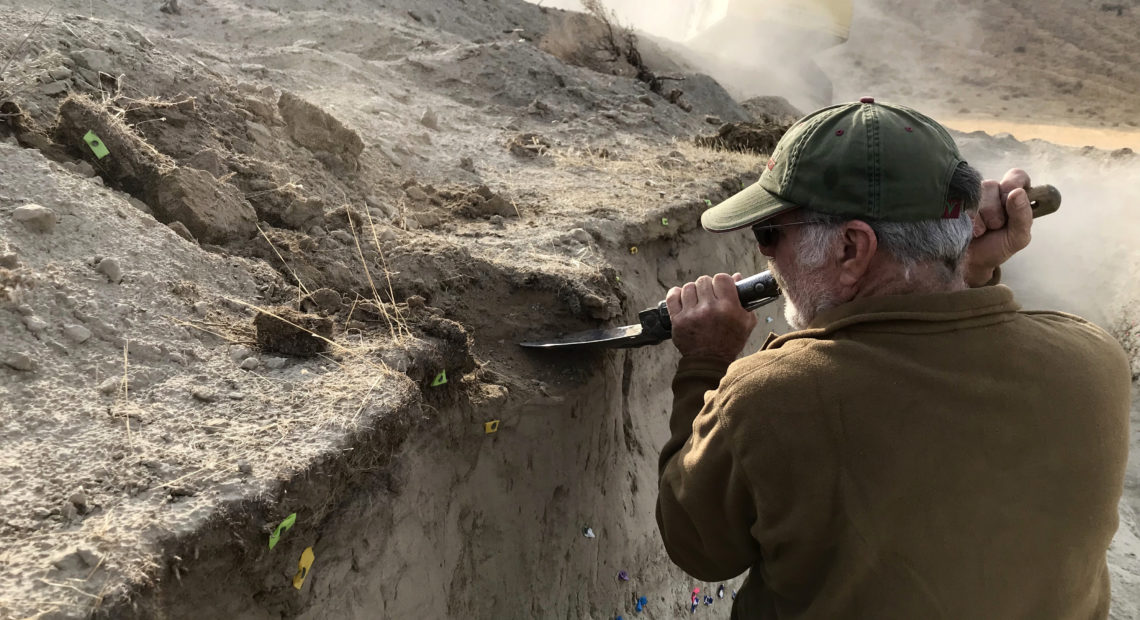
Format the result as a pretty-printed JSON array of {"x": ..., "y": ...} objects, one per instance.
[{"x": 1084, "y": 259}]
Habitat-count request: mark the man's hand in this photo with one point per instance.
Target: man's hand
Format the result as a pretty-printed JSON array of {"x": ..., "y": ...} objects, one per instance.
[
  {"x": 708, "y": 320},
  {"x": 1001, "y": 226}
]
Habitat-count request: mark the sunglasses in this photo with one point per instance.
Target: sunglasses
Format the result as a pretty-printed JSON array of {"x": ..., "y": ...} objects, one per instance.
[{"x": 769, "y": 234}]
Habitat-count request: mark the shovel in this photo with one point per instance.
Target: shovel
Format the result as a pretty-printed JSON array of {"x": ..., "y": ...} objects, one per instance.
[{"x": 654, "y": 326}]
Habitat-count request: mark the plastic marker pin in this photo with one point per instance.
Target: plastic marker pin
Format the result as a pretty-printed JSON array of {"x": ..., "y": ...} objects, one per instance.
[
  {"x": 303, "y": 567},
  {"x": 440, "y": 379},
  {"x": 96, "y": 144},
  {"x": 588, "y": 532},
  {"x": 281, "y": 529},
  {"x": 633, "y": 250},
  {"x": 641, "y": 603},
  {"x": 664, "y": 221},
  {"x": 491, "y": 427}
]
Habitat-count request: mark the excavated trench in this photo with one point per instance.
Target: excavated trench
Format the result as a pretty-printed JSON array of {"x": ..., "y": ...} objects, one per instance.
[{"x": 424, "y": 517}]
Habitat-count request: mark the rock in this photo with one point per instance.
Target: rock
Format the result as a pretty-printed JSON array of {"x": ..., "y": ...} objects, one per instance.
[
  {"x": 713, "y": 120},
  {"x": 95, "y": 60},
  {"x": 79, "y": 561},
  {"x": 35, "y": 324},
  {"x": 79, "y": 500},
  {"x": 60, "y": 73},
  {"x": 253, "y": 68},
  {"x": 25, "y": 310},
  {"x": 260, "y": 108},
  {"x": 36, "y": 218},
  {"x": 170, "y": 7},
  {"x": 110, "y": 385},
  {"x": 497, "y": 221},
  {"x": 415, "y": 193},
  {"x": 301, "y": 213},
  {"x": 76, "y": 333},
  {"x": 298, "y": 334},
  {"x": 180, "y": 229},
  {"x": 245, "y": 468},
  {"x": 344, "y": 237},
  {"x": 80, "y": 167},
  {"x": 581, "y": 236},
  {"x": 771, "y": 109},
  {"x": 110, "y": 268},
  {"x": 647, "y": 100},
  {"x": 274, "y": 363},
  {"x": 320, "y": 132},
  {"x": 260, "y": 134},
  {"x": 306, "y": 43},
  {"x": 429, "y": 119},
  {"x": 54, "y": 88},
  {"x": 201, "y": 308},
  {"x": 203, "y": 395},
  {"x": 19, "y": 361},
  {"x": 9, "y": 260},
  {"x": 239, "y": 353},
  {"x": 250, "y": 363}
]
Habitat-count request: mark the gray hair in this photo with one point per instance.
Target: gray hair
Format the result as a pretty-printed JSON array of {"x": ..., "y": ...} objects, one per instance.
[{"x": 940, "y": 241}]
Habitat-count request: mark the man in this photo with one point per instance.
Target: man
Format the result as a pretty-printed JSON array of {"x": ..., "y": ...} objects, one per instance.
[{"x": 919, "y": 447}]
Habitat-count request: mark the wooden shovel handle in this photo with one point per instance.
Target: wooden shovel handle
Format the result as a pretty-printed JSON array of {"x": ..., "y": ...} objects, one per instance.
[{"x": 1044, "y": 199}]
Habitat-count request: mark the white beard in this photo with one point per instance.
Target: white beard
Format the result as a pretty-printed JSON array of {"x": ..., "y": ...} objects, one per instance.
[{"x": 806, "y": 296}]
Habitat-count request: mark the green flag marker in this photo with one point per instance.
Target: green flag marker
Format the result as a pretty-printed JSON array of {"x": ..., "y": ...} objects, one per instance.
[
  {"x": 281, "y": 529},
  {"x": 96, "y": 145},
  {"x": 440, "y": 379}
]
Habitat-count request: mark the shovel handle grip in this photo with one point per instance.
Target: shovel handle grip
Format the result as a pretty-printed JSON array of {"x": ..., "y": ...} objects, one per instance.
[{"x": 1043, "y": 199}]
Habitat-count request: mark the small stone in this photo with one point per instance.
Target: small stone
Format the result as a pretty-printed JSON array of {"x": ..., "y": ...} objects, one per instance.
[
  {"x": 80, "y": 560},
  {"x": 713, "y": 120},
  {"x": 275, "y": 363},
  {"x": 59, "y": 73},
  {"x": 204, "y": 395},
  {"x": 429, "y": 119},
  {"x": 326, "y": 300},
  {"x": 201, "y": 308},
  {"x": 35, "y": 324},
  {"x": 417, "y": 194},
  {"x": 82, "y": 168},
  {"x": 79, "y": 500},
  {"x": 343, "y": 236},
  {"x": 647, "y": 100},
  {"x": 110, "y": 385},
  {"x": 497, "y": 221},
  {"x": 76, "y": 333},
  {"x": 25, "y": 310},
  {"x": 95, "y": 60},
  {"x": 19, "y": 361},
  {"x": 110, "y": 268},
  {"x": 68, "y": 512},
  {"x": 239, "y": 353},
  {"x": 250, "y": 363},
  {"x": 9, "y": 260},
  {"x": 245, "y": 467},
  {"x": 580, "y": 235},
  {"x": 35, "y": 218},
  {"x": 54, "y": 88}
]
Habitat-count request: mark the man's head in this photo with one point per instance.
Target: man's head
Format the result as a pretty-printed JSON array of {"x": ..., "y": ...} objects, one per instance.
[{"x": 858, "y": 200}]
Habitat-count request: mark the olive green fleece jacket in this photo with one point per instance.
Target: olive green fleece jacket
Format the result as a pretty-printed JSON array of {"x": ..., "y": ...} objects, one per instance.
[{"x": 913, "y": 457}]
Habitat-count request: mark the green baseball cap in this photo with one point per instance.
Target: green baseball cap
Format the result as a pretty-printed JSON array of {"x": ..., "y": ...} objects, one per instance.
[{"x": 859, "y": 160}]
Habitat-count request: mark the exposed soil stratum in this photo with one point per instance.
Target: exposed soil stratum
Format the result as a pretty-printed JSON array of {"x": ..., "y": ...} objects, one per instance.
[{"x": 266, "y": 262}]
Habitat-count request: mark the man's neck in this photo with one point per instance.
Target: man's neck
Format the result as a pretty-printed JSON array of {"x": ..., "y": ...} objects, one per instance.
[{"x": 891, "y": 278}]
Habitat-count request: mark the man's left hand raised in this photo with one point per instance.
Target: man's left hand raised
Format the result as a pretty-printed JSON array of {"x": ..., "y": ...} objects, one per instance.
[{"x": 708, "y": 320}]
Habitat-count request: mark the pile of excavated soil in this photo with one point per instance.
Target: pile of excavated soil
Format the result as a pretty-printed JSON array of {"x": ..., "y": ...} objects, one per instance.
[{"x": 263, "y": 269}]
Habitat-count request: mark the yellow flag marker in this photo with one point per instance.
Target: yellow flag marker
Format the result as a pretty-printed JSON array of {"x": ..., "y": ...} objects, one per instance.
[
  {"x": 491, "y": 427},
  {"x": 633, "y": 250},
  {"x": 303, "y": 566}
]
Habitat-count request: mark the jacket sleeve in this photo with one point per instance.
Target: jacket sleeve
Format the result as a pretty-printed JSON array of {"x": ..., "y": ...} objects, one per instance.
[{"x": 704, "y": 507}]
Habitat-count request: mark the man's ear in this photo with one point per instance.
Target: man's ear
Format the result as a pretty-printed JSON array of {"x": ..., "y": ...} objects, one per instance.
[{"x": 859, "y": 245}]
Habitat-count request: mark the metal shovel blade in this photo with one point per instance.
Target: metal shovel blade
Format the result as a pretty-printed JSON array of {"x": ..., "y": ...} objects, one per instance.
[{"x": 611, "y": 338}]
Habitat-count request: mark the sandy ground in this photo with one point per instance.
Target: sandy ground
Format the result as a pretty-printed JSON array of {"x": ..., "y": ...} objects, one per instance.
[{"x": 453, "y": 188}]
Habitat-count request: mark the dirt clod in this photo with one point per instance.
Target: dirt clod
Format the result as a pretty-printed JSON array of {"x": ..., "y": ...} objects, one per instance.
[
  {"x": 745, "y": 137},
  {"x": 35, "y": 218},
  {"x": 335, "y": 145},
  {"x": 291, "y": 332}
]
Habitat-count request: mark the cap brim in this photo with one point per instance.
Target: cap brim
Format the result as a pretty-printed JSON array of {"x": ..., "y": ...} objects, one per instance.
[{"x": 747, "y": 207}]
